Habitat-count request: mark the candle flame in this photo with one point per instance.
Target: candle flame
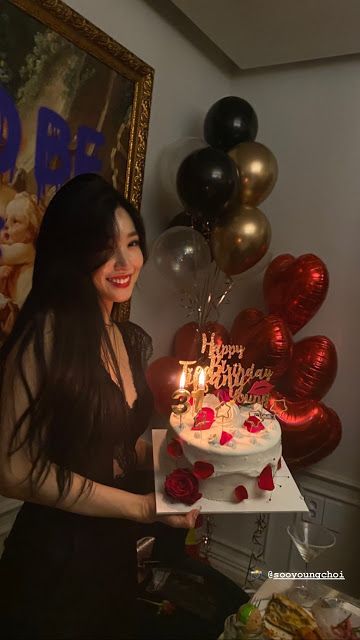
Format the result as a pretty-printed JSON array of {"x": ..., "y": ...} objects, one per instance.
[
  {"x": 202, "y": 378},
  {"x": 182, "y": 380}
]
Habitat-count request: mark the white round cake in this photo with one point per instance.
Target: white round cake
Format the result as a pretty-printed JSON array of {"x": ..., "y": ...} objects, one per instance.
[{"x": 239, "y": 448}]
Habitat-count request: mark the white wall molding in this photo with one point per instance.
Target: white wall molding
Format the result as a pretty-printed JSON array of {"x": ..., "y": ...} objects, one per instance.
[{"x": 330, "y": 486}]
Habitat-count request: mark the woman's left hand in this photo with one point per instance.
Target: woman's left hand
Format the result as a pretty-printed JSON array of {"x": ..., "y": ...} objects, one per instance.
[{"x": 180, "y": 521}]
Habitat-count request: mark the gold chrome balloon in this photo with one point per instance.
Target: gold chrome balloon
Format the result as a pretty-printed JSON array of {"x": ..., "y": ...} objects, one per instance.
[
  {"x": 241, "y": 240},
  {"x": 182, "y": 395},
  {"x": 258, "y": 171}
]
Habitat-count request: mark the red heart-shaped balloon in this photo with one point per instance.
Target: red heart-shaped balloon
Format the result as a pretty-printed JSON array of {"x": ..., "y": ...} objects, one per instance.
[
  {"x": 266, "y": 339},
  {"x": 295, "y": 288},
  {"x": 244, "y": 323},
  {"x": 312, "y": 369},
  {"x": 310, "y": 430},
  {"x": 275, "y": 281},
  {"x": 188, "y": 339},
  {"x": 329, "y": 444}
]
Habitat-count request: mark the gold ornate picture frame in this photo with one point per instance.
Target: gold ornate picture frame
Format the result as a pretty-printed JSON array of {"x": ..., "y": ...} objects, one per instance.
[
  {"x": 55, "y": 16},
  {"x": 72, "y": 100}
]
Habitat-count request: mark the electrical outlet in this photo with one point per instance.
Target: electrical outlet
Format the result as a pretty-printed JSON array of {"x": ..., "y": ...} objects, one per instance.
[{"x": 316, "y": 505}]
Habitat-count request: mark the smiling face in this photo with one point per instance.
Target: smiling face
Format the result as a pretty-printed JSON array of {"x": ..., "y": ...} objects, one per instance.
[{"x": 116, "y": 278}]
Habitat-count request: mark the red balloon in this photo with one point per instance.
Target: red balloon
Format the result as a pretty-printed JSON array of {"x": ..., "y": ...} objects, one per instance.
[
  {"x": 275, "y": 282},
  {"x": 310, "y": 430},
  {"x": 296, "y": 288},
  {"x": 244, "y": 323},
  {"x": 328, "y": 446},
  {"x": 266, "y": 339},
  {"x": 312, "y": 369},
  {"x": 188, "y": 339},
  {"x": 163, "y": 377}
]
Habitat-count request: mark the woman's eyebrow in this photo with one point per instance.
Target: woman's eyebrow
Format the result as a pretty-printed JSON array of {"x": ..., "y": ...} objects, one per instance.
[{"x": 131, "y": 234}]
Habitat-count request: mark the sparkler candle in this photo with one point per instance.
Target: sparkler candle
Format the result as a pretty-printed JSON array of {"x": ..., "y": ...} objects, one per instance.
[{"x": 198, "y": 395}]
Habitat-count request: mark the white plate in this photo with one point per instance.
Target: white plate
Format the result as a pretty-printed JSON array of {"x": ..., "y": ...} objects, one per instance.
[{"x": 285, "y": 497}]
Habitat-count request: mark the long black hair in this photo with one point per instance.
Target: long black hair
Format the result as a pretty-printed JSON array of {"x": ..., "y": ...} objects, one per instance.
[{"x": 65, "y": 395}]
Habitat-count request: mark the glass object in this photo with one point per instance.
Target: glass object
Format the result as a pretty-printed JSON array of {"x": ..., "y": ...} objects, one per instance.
[
  {"x": 328, "y": 613},
  {"x": 235, "y": 630},
  {"x": 310, "y": 540}
]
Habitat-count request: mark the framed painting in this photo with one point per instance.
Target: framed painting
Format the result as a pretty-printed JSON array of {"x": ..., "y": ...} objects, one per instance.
[{"x": 72, "y": 100}]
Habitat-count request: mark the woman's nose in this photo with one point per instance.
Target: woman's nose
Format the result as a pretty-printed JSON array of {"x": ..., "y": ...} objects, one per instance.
[{"x": 121, "y": 258}]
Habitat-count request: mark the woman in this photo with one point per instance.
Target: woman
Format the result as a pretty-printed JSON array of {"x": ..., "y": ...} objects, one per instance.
[{"x": 74, "y": 403}]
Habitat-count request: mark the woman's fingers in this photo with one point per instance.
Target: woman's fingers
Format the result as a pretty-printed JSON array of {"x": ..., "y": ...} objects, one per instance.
[
  {"x": 181, "y": 521},
  {"x": 192, "y": 515}
]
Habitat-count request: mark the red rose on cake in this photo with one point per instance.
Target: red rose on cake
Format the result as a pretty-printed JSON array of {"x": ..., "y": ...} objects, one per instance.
[{"x": 183, "y": 486}]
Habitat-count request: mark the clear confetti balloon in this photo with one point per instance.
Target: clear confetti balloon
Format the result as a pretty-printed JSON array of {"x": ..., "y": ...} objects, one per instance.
[{"x": 180, "y": 253}]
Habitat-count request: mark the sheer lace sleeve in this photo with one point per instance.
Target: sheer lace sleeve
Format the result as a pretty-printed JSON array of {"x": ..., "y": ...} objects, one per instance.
[
  {"x": 140, "y": 341},
  {"x": 18, "y": 386}
]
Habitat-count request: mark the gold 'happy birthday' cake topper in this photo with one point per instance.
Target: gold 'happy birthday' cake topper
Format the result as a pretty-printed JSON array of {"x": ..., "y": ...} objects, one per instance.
[{"x": 245, "y": 385}]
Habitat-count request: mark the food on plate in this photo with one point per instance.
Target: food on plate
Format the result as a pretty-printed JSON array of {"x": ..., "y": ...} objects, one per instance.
[
  {"x": 309, "y": 634},
  {"x": 288, "y": 616}
]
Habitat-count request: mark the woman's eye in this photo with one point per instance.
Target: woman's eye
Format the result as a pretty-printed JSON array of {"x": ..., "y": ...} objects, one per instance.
[{"x": 134, "y": 243}]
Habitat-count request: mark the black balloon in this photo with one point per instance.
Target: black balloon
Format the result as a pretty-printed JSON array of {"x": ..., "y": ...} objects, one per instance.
[
  {"x": 230, "y": 121},
  {"x": 181, "y": 219},
  {"x": 207, "y": 182},
  {"x": 184, "y": 219}
]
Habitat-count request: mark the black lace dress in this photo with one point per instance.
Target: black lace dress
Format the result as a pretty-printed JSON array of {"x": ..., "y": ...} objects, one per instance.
[{"x": 67, "y": 576}]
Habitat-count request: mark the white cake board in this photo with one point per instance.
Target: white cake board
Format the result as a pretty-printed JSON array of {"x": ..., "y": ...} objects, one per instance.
[{"x": 286, "y": 496}]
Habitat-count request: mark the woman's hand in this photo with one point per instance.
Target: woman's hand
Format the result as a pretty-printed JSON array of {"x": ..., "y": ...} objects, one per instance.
[{"x": 180, "y": 521}]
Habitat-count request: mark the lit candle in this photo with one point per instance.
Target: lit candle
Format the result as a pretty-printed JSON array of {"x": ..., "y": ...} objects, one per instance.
[
  {"x": 202, "y": 379},
  {"x": 182, "y": 381},
  {"x": 198, "y": 395}
]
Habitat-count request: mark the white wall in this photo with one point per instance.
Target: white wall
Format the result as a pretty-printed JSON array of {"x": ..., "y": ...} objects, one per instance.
[{"x": 308, "y": 116}]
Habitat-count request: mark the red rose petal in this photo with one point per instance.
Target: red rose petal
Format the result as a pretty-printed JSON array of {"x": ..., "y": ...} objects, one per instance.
[
  {"x": 203, "y": 470},
  {"x": 225, "y": 437},
  {"x": 223, "y": 395},
  {"x": 174, "y": 448},
  {"x": 265, "y": 479},
  {"x": 204, "y": 419},
  {"x": 279, "y": 464},
  {"x": 253, "y": 424},
  {"x": 241, "y": 493}
]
